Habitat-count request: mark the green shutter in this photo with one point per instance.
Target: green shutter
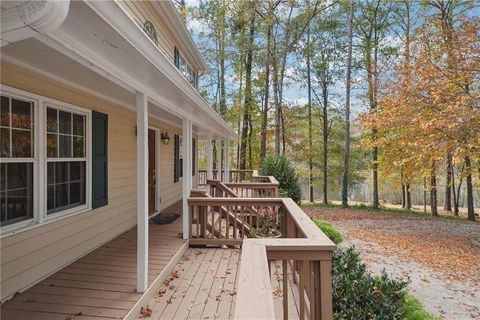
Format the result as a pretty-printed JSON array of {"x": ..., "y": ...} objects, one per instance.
[
  {"x": 193, "y": 157},
  {"x": 176, "y": 57},
  {"x": 176, "y": 160},
  {"x": 99, "y": 159}
]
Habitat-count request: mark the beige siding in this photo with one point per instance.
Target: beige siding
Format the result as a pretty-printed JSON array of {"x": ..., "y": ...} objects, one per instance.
[
  {"x": 142, "y": 11},
  {"x": 31, "y": 255}
]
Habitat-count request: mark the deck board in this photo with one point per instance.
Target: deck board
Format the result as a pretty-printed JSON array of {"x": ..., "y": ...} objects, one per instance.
[
  {"x": 100, "y": 285},
  {"x": 204, "y": 286}
]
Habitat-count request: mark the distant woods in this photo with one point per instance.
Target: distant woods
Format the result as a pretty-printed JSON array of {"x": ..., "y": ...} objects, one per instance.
[{"x": 357, "y": 93}]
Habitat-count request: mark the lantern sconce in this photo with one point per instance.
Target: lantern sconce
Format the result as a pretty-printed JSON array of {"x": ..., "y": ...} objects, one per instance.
[{"x": 165, "y": 138}]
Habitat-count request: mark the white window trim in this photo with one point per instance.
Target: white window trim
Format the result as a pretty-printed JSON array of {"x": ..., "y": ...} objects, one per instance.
[{"x": 40, "y": 217}]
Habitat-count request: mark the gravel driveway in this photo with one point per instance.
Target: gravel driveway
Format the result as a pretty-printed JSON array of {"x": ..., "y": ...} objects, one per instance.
[{"x": 441, "y": 257}]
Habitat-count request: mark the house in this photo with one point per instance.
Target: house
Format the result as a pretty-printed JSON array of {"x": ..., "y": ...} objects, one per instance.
[{"x": 100, "y": 123}]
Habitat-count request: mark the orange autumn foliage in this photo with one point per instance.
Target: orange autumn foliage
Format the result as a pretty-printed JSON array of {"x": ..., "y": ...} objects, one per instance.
[{"x": 432, "y": 105}]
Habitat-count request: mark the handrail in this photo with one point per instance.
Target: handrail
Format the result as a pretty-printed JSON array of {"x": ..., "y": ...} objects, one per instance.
[{"x": 304, "y": 249}]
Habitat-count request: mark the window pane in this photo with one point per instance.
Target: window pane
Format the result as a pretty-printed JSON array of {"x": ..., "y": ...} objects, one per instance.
[
  {"x": 78, "y": 124},
  {"x": 76, "y": 195},
  {"x": 21, "y": 143},
  {"x": 65, "y": 150},
  {"x": 61, "y": 172},
  {"x": 51, "y": 120},
  {"x": 68, "y": 185},
  {"x": 61, "y": 195},
  {"x": 65, "y": 122},
  {"x": 51, "y": 197},
  {"x": 5, "y": 112},
  {"x": 50, "y": 172},
  {"x": 17, "y": 192},
  {"x": 78, "y": 147},
  {"x": 52, "y": 145},
  {"x": 21, "y": 114},
  {"x": 4, "y": 142}
]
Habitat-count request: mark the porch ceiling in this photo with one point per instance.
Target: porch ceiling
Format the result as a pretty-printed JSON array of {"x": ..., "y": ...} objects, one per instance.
[{"x": 87, "y": 52}]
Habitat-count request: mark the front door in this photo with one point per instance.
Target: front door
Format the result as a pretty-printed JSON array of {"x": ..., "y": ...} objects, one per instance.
[{"x": 151, "y": 171}]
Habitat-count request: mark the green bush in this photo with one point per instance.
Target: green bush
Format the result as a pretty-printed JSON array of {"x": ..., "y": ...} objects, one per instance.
[
  {"x": 414, "y": 310},
  {"x": 329, "y": 230},
  {"x": 283, "y": 170},
  {"x": 359, "y": 295}
]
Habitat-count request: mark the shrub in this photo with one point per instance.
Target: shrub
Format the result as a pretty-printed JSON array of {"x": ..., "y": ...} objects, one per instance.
[
  {"x": 283, "y": 170},
  {"x": 329, "y": 230},
  {"x": 359, "y": 295},
  {"x": 415, "y": 311}
]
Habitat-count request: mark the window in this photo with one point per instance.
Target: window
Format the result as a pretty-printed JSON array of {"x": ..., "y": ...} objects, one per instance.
[
  {"x": 185, "y": 69},
  {"x": 44, "y": 151},
  {"x": 149, "y": 29},
  {"x": 66, "y": 160},
  {"x": 16, "y": 151}
]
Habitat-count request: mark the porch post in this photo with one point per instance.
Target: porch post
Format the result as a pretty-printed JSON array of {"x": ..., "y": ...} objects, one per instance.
[
  {"x": 187, "y": 174},
  {"x": 142, "y": 192},
  {"x": 226, "y": 159},
  {"x": 209, "y": 157},
  {"x": 218, "y": 145}
]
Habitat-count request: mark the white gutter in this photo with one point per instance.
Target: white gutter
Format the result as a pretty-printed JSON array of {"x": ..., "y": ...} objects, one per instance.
[{"x": 25, "y": 19}]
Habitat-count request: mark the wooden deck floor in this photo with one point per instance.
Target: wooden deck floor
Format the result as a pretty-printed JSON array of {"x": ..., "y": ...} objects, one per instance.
[
  {"x": 202, "y": 286},
  {"x": 101, "y": 285}
]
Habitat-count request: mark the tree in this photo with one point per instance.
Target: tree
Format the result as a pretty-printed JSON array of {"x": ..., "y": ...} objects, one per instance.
[
  {"x": 371, "y": 27},
  {"x": 347, "y": 107}
]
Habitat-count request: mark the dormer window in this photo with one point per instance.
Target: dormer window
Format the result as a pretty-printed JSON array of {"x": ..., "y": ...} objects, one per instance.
[
  {"x": 149, "y": 29},
  {"x": 185, "y": 69}
]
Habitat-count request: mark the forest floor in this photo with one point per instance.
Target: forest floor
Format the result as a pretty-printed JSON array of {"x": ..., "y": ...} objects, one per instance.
[{"x": 440, "y": 256}]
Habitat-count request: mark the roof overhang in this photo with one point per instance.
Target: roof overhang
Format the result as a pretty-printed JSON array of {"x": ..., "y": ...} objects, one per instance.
[{"x": 99, "y": 38}]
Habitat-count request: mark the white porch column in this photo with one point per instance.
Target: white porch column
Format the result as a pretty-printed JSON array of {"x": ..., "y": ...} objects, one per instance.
[
  {"x": 226, "y": 160},
  {"x": 209, "y": 158},
  {"x": 218, "y": 145},
  {"x": 142, "y": 192},
  {"x": 187, "y": 173}
]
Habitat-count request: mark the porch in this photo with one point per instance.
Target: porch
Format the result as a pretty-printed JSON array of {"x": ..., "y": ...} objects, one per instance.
[{"x": 102, "y": 284}]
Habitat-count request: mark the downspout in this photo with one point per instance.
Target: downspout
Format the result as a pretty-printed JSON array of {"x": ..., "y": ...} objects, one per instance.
[{"x": 25, "y": 19}]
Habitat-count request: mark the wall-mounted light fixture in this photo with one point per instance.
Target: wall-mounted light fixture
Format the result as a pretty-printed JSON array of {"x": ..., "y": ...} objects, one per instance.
[{"x": 165, "y": 138}]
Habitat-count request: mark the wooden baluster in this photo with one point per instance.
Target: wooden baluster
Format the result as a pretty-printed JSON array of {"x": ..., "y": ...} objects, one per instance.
[
  {"x": 285, "y": 289},
  {"x": 228, "y": 222},
  {"x": 212, "y": 213},
  {"x": 197, "y": 213},
  {"x": 311, "y": 291},
  {"x": 326, "y": 309},
  {"x": 301, "y": 288},
  {"x": 317, "y": 290},
  {"x": 190, "y": 210},
  {"x": 235, "y": 224}
]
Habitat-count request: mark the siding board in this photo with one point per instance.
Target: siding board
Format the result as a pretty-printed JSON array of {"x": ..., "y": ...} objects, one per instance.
[{"x": 31, "y": 255}]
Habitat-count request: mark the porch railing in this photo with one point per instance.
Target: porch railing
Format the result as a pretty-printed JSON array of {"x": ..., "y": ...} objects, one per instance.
[
  {"x": 261, "y": 187},
  {"x": 235, "y": 175},
  {"x": 303, "y": 249}
]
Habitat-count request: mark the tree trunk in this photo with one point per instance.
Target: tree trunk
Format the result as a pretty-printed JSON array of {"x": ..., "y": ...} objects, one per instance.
[
  {"x": 346, "y": 158},
  {"x": 277, "y": 107},
  {"x": 425, "y": 195},
  {"x": 455, "y": 200},
  {"x": 447, "y": 204},
  {"x": 325, "y": 143},
  {"x": 404, "y": 198},
  {"x": 310, "y": 142},
  {"x": 433, "y": 192},
  {"x": 470, "y": 208},
  {"x": 248, "y": 95},
  {"x": 263, "y": 146},
  {"x": 409, "y": 198}
]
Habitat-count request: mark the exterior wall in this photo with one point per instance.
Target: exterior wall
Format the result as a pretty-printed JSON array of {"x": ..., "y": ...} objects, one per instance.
[
  {"x": 142, "y": 11},
  {"x": 31, "y": 255}
]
